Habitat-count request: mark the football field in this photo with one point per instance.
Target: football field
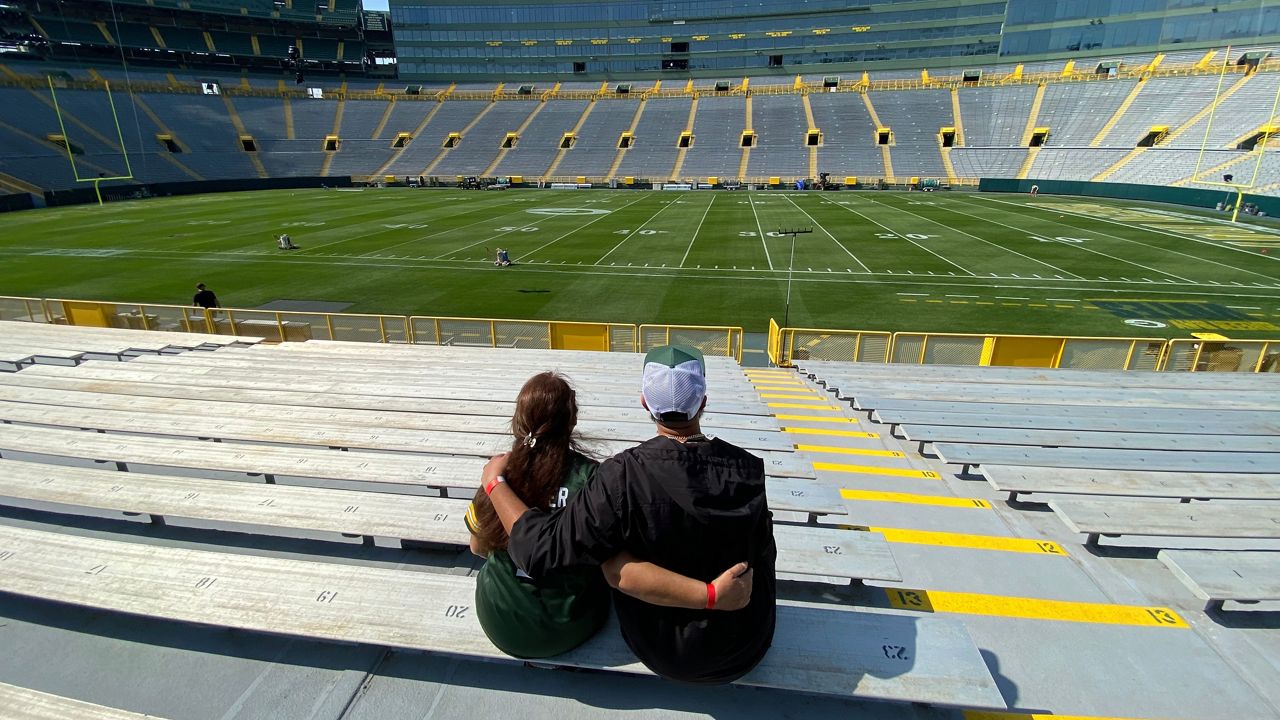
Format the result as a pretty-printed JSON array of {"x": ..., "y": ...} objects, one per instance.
[{"x": 937, "y": 262}]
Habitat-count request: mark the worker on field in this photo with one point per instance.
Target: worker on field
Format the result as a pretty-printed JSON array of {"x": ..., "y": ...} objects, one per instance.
[
  {"x": 502, "y": 258},
  {"x": 284, "y": 242},
  {"x": 1035, "y": 191}
]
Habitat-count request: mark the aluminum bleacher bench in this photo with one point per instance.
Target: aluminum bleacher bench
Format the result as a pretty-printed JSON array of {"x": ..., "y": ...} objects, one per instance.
[
  {"x": 1153, "y": 460},
  {"x": 1153, "y": 519},
  {"x": 802, "y": 550},
  {"x": 1184, "y": 423},
  {"x": 473, "y": 408},
  {"x": 833, "y": 374},
  {"x": 875, "y": 654},
  {"x": 25, "y": 704},
  {"x": 352, "y": 383},
  {"x": 793, "y": 493},
  {"x": 1217, "y": 576},
  {"x": 1044, "y": 394},
  {"x": 931, "y": 434},
  {"x": 1021, "y": 480},
  {"x": 591, "y": 430},
  {"x": 874, "y": 404},
  {"x": 144, "y": 338}
]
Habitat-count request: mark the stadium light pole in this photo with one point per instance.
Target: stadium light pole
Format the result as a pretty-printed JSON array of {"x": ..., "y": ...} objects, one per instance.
[{"x": 791, "y": 266}]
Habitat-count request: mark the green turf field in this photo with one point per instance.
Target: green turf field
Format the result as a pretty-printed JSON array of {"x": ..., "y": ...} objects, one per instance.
[{"x": 946, "y": 261}]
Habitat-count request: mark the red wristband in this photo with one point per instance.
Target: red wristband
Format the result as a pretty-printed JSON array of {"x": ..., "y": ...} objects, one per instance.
[
  {"x": 711, "y": 597},
  {"x": 488, "y": 489}
]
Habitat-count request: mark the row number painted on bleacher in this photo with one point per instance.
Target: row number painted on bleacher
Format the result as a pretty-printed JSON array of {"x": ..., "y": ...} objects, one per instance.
[
  {"x": 205, "y": 583},
  {"x": 1162, "y": 616},
  {"x": 832, "y": 550},
  {"x": 456, "y": 611},
  {"x": 5, "y": 555},
  {"x": 909, "y": 598},
  {"x": 895, "y": 652},
  {"x": 441, "y": 517},
  {"x": 95, "y": 570},
  {"x": 930, "y": 475},
  {"x": 326, "y": 596},
  {"x": 1049, "y": 547}
]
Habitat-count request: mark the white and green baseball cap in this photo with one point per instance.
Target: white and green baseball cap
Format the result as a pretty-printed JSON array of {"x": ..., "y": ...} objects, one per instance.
[{"x": 674, "y": 382}]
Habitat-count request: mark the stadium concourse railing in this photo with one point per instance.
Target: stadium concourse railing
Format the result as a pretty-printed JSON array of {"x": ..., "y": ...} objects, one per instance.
[
  {"x": 294, "y": 326},
  {"x": 786, "y": 345}
]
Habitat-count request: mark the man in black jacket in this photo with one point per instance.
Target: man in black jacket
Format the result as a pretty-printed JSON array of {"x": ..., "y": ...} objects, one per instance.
[{"x": 683, "y": 501}]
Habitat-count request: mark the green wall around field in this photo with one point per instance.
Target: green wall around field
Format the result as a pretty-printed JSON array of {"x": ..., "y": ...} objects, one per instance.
[{"x": 1195, "y": 197}]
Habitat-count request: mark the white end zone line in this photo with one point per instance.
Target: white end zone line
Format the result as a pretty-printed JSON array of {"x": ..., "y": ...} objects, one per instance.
[
  {"x": 828, "y": 233},
  {"x": 1078, "y": 247},
  {"x": 975, "y": 237}
]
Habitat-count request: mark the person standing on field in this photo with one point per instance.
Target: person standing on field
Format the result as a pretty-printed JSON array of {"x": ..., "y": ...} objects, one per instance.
[{"x": 205, "y": 298}]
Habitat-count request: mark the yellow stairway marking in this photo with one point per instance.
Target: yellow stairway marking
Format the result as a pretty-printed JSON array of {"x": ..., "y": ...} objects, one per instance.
[
  {"x": 102, "y": 27},
  {"x": 850, "y": 451},
  {"x": 808, "y": 116},
  {"x": 945, "y": 152},
  {"x": 386, "y": 115},
  {"x": 94, "y": 74},
  {"x": 1033, "y": 608},
  {"x": 560, "y": 155},
  {"x": 1204, "y": 111},
  {"x": 1027, "y": 162},
  {"x": 502, "y": 152},
  {"x": 239, "y": 126},
  {"x": 1031, "y": 116},
  {"x": 1119, "y": 113},
  {"x": 635, "y": 120},
  {"x": 445, "y": 151},
  {"x": 1102, "y": 176},
  {"x": 815, "y": 418},
  {"x": 253, "y": 41},
  {"x": 155, "y": 33},
  {"x": 746, "y": 151},
  {"x": 414, "y": 135},
  {"x": 955, "y": 117},
  {"x": 1217, "y": 169},
  {"x": 18, "y": 185},
  {"x": 831, "y": 433},
  {"x": 874, "y": 470},
  {"x": 208, "y": 42},
  {"x": 884, "y": 149},
  {"x": 288, "y": 119},
  {"x": 963, "y": 540},
  {"x": 337, "y": 130},
  {"x": 784, "y": 396},
  {"x": 803, "y": 406},
  {"x": 913, "y": 499},
  {"x": 688, "y": 127},
  {"x": 146, "y": 110}
]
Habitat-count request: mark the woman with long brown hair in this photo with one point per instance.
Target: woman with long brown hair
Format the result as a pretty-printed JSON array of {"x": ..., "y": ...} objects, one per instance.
[{"x": 535, "y": 618}]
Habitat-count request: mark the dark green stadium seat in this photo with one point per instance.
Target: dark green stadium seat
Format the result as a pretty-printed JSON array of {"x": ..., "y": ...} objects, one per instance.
[
  {"x": 232, "y": 43},
  {"x": 135, "y": 35},
  {"x": 319, "y": 49},
  {"x": 72, "y": 30},
  {"x": 274, "y": 45},
  {"x": 184, "y": 39}
]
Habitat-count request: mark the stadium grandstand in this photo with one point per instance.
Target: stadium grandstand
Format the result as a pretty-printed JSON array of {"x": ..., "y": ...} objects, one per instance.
[{"x": 989, "y": 286}]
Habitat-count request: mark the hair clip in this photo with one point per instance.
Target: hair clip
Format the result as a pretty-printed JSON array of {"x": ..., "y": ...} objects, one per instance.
[{"x": 530, "y": 441}]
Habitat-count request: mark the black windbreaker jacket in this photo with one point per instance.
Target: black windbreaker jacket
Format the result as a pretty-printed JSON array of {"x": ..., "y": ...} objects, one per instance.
[{"x": 695, "y": 509}]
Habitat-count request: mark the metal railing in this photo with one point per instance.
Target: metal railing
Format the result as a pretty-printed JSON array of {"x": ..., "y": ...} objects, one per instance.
[
  {"x": 1086, "y": 353},
  {"x": 725, "y": 341},
  {"x": 525, "y": 334},
  {"x": 843, "y": 345},
  {"x": 1222, "y": 356}
]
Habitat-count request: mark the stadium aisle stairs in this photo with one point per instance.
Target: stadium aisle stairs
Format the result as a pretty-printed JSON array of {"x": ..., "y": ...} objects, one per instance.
[{"x": 1063, "y": 631}]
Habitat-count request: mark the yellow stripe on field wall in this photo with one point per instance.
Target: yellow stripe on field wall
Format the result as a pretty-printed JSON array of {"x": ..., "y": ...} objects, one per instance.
[
  {"x": 964, "y": 540},
  {"x": 830, "y": 433},
  {"x": 912, "y": 499},
  {"x": 873, "y": 470},
  {"x": 850, "y": 451},
  {"x": 815, "y": 418},
  {"x": 803, "y": 406},
  {"x": 1032, "y": 608}
]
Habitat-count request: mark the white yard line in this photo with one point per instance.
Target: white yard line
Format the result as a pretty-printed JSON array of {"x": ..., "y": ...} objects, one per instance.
[
  {"x": 904, "y": 237},
  {"x": 632, "y": 234},
  {"x": 596, "y": 220},
  {"x": 760, "y": 230},
  {"x": 531, "y": 223},
  {"x": 697, "y": 230},
  {"x": 416, "y": 210},
  {"x": 1072, "y": 245},
  {"x": 975, "y": 237},
  {"x": 1193, "y": 238},
  {"x": 828, "y": 234}
]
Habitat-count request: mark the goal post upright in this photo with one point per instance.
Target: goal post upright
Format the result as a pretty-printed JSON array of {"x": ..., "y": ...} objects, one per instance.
[{"x": 66, "y": 141}]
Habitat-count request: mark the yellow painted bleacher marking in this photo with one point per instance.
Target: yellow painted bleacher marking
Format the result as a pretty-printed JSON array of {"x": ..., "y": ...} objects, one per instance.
[
  {"x": 830, "y": 433},
  {"x": 963, "y": 540},
  {"x": 784, "y": 396},
  {"x": 815, "y": 418},
  {"x": 776, "y": 381},
  {"x": 913, "y": 499},
  {"x": 804, "y": 406},
  {"x": 1032, "y": 608},
  {"x": 873, "y": 470},
  {"x": 783, "y": 388},
  {"x": 988, "y": 715},
  {"x": 850, "y": 451},
  {"x": 767, "y": 373}
]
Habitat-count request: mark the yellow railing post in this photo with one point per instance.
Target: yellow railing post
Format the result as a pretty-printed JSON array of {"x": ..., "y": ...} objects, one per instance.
[
  {"x": 438, "y": 331},
  {"x": 328, "y": 324},
  {"x": 382, "y": 328},
  {"x": 1128, "y": 358},
  {"x": 493, "y": 334},
  {"x": 279, "y": 326}
]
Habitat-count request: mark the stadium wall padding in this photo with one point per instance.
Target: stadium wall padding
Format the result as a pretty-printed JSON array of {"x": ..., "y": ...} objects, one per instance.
[
  {"x": 18, "y": 201},
  {"x": 79, "y": 196},
  {"x": 1194, "y": 197}
]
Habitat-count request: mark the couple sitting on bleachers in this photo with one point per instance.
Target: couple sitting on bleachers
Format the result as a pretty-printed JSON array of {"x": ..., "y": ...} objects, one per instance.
[{"x": 678, "y": 526}]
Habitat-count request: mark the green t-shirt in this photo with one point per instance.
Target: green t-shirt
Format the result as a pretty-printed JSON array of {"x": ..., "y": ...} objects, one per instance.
[{"x": 529, "y": 618}]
